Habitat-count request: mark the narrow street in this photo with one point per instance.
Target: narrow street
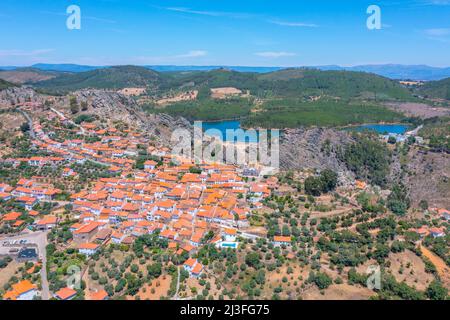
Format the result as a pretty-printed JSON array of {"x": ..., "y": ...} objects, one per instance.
[
  {"x": 60, "y": 114},
  {"x": 30, "y": 122},
  {"x": 175, "y": 297}
]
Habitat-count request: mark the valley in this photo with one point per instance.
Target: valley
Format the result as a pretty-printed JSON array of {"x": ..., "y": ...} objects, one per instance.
[{"x": 86, "y": 157}]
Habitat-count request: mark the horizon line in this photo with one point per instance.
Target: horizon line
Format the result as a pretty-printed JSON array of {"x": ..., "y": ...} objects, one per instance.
[{"x": 229, "y": 65}]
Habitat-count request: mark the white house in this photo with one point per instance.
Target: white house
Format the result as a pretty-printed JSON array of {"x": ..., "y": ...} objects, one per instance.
[{"x": 88, "y": 249}]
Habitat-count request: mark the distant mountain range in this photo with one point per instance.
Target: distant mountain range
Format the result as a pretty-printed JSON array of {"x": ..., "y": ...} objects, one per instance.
[
  {"x": 398, "y": 71},
  {"x": 392, "y": 71}
]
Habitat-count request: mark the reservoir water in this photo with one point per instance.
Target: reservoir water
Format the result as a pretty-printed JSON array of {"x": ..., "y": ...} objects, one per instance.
[
  {"x": 220, "y": 128},
  {"x": 382, "y": 128}
]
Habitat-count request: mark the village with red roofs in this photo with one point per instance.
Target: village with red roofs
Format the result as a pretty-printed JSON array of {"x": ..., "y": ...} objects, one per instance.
[{"x": 96, "y": 210}]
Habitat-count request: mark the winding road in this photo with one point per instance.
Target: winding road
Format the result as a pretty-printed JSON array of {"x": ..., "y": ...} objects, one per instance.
[{"x": 30, "y": 122}]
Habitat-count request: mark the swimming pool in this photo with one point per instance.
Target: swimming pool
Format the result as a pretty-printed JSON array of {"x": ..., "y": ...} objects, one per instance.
[{"x": 229, "y": 245}]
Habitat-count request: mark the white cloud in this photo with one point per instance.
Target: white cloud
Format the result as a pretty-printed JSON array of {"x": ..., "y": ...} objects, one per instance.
[
  {"x": 98, "y": 19},
  {"x": 438, "y": 32},
  {"x": 93, "y": 18},
  {"x": 193, "y": 54},
  {"x": 438, "y": 2},
  {"x": 273, "y": 54},
  {"x": 187, "y": 10},
  {"x": 294, "y": 24},
  {"x": 236, "y": 15}
]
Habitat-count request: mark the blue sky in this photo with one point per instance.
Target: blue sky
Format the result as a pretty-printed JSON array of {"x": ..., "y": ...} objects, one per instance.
[{"x": 225, "y": 32}]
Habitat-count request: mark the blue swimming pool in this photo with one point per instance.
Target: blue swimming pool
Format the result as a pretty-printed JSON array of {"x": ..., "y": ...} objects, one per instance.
[{"x": 229, "y": 245}]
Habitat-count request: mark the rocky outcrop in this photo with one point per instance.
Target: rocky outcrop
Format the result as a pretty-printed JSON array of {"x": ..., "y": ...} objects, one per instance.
[
  {"x": 314, "y": 148},
  {"x": 15, "y": 95},
  {"x": 427, "y": 176},
  {"x": 114, "y": 106}
]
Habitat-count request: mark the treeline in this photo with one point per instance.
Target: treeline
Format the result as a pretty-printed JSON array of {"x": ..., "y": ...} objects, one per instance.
[
  {"x": 368, "y": 158},
  {"x": 296, "y": 112},
  {"x": 208, "y": 110},
  {"x": 437, "y": 130},
  {"x": 436, "y": 89}
]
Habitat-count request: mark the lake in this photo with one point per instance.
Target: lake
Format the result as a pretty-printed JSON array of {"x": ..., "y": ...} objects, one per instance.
[
  {"x": 382, "y": 128},
  {"x": 222, "y": 127}
]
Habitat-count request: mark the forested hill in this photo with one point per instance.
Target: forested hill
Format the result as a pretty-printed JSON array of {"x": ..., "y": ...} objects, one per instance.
[
  {"x": 334, "y": 83},
  {"x": 5, "y": 84},
  {"x": 107, "y": 78},
  {"x": 436, "y": 89},
  {"x": 296, "y": 83},
  {"x": 27, "y": 75},
  {"x": 283, "y": 83}
]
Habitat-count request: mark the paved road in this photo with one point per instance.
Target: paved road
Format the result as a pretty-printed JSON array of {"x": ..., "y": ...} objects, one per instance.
[
  {"x": 415, "y": 131},
  {"x": 40, "y": 239},
  {"x": 248, "y": 235},
  {"x": 178, "y": 284},
  {"x": 70, "y": 121},
  {"x": 30, "y": 122}
]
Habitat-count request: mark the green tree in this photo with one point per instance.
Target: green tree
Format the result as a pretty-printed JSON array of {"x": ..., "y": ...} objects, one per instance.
[
  {"x": 329, "y": 180},
  {"x": 423, "y": 204},
  {"x": 398, "y": 200},
  {"x": 368, "y": 158},
  {"x": 155, "y": 269},
  {"x": 436, "y": 291},
  {"x": 320, "y": 279},
  {"x": 74, "y": 108},
  {"x": 25, "y": 127},
  {"x": 313, "y": 186},
  {"x": 252, "y": 259}
]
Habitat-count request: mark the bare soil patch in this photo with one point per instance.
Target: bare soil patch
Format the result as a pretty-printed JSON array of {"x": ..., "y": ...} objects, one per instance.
[
  {"x": 24, "y": 76},
  {"x": 155, "y": 290},
  {"x": 420, "y": 110},
  {"x": 442, "y": 269},
  {"x": 132, "y": 91},
  {"x": 184, "y": 96},
  {"x": 221, "y": 93},
  {"x": 7, "y": 272},
  {"x": 338, "y": 292},
  {"x": 407, "y": 266}
]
